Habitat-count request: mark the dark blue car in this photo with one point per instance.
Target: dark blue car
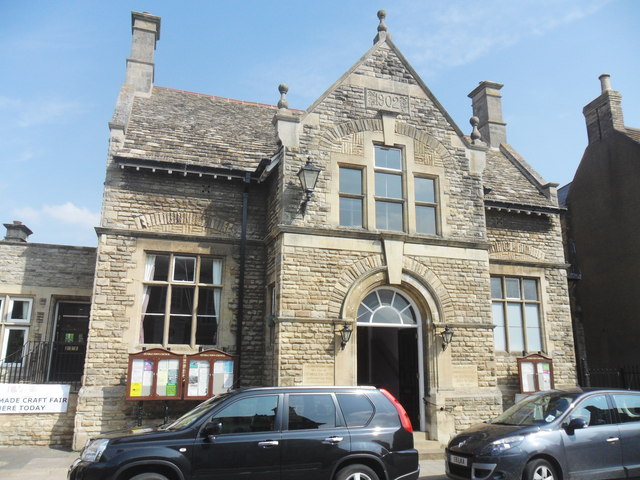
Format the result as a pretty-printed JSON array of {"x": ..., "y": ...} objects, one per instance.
[{"x": 554, "y": 435}]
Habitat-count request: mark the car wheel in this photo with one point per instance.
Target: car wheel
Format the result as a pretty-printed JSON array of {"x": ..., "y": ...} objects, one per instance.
[
  {"x": 149, "y": 476},
  {"x": 539, "y": 470},
  {"x": 356, "y": 472}
]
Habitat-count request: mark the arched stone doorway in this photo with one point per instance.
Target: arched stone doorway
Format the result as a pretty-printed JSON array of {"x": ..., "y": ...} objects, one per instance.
[{"x": 389, "y": 347}]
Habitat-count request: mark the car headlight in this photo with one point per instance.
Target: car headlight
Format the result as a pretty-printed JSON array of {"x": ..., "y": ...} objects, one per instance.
[
  {"x": 93, "y": 450},
  {"x": 502, "y": 445}
]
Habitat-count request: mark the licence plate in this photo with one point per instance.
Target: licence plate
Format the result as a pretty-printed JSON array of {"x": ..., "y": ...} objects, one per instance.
[{"x": 458, "y": 460}]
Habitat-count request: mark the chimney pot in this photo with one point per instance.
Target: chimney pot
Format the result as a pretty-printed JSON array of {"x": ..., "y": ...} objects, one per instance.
[
  {"x": 17, "y": 232},
  {"x": 605, "y": 82}
]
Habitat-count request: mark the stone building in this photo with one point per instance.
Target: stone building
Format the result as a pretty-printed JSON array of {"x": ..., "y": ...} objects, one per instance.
[
  {"x": 45, "y": 293},
  {"x": 412, "y": 232},
  {"x": 602, "y": 236}
]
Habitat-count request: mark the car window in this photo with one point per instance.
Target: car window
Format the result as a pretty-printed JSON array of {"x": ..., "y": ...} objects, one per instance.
[
  {"x": 251, "y": 414},
  {"x": 311, "y": 411},
  {"x": 593, "y": 410},
  {"x": 356, "y": 408},
  {"x": 627, "y": 406},
  {"x": 536, "y": 410}
]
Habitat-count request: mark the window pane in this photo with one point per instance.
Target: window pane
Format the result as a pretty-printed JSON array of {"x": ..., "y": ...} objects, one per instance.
[
  {"x": 514, "y": 320},
  {"x": 408, "y": 316},
  {"x": 211, "y": 271},
  {"x": 153, "y": 328},
  {"x": 371, "y": 300},
  {"x": 386, "y": 315},
  {"x": 351, "y": 181},
  {"x": 499, "y": 330},
  {"x": 388, "y": 158},
  {"x": 530, "y": 289},
  {"x": 17, "y": 338},
  {"x": 180, "y": 329},
  {"x": 357, "y": 409},
  {"x": 628, "y": 406},
  {"x": 388, "y": 185},
  {"x": 513, "y": 287},
  {"x": 206, "y": 303},
  {"x": 386, "y": 296},
  {"x": 350, "y": 212},
  {"x": 426, "y": 220},
  {"x": 206, "y": 330},
  {"x": 157, "y": 299},
  {"x": 532, "y": 320},
  {"x": 184, "y": 269},
  {"x": 182, "y": 300},
  {"x": 594, "y": 411},
  {"x": 363, "y": 314},
  {"x": 19, "y": 310},
  {"x": 389, "y": 216},
  {"x": 311, "y": 412},
  {"x": 399, "y": 302},
  {"x": 254, "y": 414},
  {"x": 425, "y": 190},
  {"x": 161, "y": 268},
  {"x": 496, "y": 287}
]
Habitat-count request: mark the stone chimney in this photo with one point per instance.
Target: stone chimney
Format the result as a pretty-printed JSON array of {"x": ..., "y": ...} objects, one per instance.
[
  {"x": 17, "y": 232},
  {"x": 145, "y": 29},
  {"x": 486, "y": 102},
  {"x": 604, "y": 114}
]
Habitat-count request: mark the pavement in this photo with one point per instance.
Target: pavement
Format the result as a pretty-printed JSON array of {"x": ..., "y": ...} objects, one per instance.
[{"x": 51, "y": 463}]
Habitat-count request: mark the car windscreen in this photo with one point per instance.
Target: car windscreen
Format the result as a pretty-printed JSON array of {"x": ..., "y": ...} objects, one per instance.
[
  {"x": 192, "y": 415},
  {"x": 536, "y": 410}
]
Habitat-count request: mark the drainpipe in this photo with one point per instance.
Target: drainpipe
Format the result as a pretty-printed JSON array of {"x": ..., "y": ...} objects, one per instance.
[{"x": 243, "y": 250}]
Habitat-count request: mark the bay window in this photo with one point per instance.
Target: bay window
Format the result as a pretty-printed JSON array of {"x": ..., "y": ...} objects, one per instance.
[{"x": 181, "y": 300}]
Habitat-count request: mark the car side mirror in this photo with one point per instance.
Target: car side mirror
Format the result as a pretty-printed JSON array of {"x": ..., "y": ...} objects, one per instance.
[
  {"x": 575, "y": 424},
  {"x": 212, "y": 428}
]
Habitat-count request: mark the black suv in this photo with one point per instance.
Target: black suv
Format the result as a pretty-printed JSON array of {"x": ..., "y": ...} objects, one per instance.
[{"x": 315, "y": 433}]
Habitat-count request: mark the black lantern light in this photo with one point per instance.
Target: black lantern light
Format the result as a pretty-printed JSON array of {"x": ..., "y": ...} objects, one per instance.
[
  {"x": 345, "y": 335},
  {"x": 447, "y": 335},
  {"x": 308, "y": 176}
]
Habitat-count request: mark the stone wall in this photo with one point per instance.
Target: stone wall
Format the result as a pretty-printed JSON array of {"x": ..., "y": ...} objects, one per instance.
[{"x": 44, "y": 429}]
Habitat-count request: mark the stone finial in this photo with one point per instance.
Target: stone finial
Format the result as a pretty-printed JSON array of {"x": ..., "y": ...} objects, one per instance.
[
  {"x": 605, "y": 82},
  {"x": 475, "y": 133},
  {"x": 382, "y": 27},
  {"x": 283, "y": 88},
  {"x": 381, "y": 16}
]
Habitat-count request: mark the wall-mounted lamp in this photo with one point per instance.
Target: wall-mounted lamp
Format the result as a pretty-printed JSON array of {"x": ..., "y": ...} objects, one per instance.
[
  {"x": 447, "y": 335},
  {"x": 345, "y": 335},
  {"x": 308, "y": 175}
]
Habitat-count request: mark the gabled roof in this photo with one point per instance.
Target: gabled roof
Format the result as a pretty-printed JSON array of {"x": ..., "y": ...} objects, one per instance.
[
  {"x": 509, "y": 180},
  {"x": 395, "y": 65},
  {"x": 188, "y": 128}
]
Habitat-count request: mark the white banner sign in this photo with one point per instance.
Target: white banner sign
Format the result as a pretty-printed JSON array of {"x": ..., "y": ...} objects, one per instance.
[{"x": 32, "y": 398}]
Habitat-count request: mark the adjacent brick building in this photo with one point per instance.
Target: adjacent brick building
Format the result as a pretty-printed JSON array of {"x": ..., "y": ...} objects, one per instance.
[{"x": 207, "y": 239}]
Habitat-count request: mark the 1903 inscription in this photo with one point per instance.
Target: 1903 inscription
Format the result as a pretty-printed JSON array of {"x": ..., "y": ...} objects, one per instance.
[{"x": 391, "y": 102}]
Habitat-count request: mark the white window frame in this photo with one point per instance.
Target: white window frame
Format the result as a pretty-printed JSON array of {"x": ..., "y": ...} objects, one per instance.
[
  {"x": 12, "y": 300},
  {"x": 5, "y": 342},
  {"x": 196, "y": 284}
]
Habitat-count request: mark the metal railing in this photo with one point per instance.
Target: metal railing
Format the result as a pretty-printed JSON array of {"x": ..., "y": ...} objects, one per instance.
[
  {"x": 44, "y": 362},
  {"x": 618, "y": 377}
]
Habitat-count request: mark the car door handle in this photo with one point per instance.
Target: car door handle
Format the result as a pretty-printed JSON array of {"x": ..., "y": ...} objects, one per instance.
[
  {"x": 268, "y": 444},
  {"x": 612, "y": 439},
  {"x": 332, "y": 440}
]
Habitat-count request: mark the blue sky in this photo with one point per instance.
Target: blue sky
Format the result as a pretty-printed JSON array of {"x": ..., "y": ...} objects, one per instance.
[{"x": 63, "y": 62}]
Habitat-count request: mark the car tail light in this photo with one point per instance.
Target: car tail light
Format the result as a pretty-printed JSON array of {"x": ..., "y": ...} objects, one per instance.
[{"x": 404, "y": 418}]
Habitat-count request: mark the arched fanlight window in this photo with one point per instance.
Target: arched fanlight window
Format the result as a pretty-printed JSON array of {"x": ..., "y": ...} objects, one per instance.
[{"x": 386, "y": 306}]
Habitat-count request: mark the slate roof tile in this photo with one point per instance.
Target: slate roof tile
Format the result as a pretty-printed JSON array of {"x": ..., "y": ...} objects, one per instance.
[{"x": 195, "y": 129}]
